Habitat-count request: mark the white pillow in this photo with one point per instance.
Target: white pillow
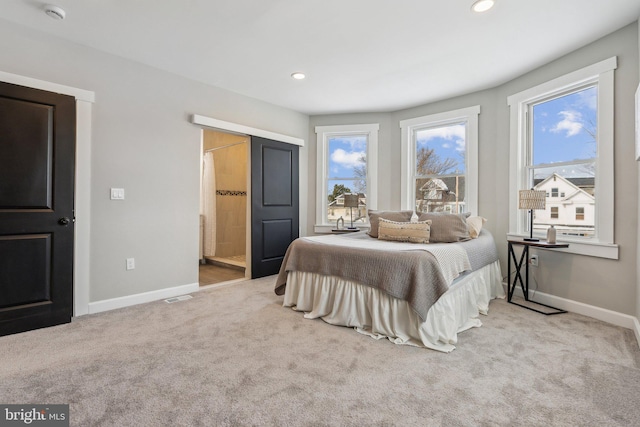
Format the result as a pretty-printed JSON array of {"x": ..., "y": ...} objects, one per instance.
[{"x": 475, "y": 223}]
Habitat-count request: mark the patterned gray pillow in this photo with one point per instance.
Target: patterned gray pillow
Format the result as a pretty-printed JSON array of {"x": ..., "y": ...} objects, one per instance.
[
  {"x": 446, "y": 227},
  {"x": 398, "y": 216}
]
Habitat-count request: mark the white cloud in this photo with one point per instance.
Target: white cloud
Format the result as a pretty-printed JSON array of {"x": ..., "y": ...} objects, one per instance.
[
  {"x": 446, "y": 132},
  {"x": 460, "y": 146},
  {"x": 571, "y": 123},
  {"x": 347, "y": 159},
  {"x": 446, "y": 145}
]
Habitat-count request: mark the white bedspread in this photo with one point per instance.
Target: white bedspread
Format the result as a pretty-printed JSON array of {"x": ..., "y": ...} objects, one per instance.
[{"x": 371, "y": 312}]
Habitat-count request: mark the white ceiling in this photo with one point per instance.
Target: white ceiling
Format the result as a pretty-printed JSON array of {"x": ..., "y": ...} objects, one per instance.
[{"x": 359, "y": 55}]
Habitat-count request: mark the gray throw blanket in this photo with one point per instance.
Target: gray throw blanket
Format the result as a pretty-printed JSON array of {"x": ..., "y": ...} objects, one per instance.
[
  {"x": 413, "y": 276},
  {"x": 405, "y": 275}
]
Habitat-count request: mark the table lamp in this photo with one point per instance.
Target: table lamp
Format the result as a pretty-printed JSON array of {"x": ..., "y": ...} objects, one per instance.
[
  {"x": 351, "y": 201},
  {"x": 531, "y": 199}
]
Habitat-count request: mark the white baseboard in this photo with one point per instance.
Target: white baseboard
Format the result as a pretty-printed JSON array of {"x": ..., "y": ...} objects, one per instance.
[
  {"x": 126, "y": 301},
  {"x": 609, "y": 316}
]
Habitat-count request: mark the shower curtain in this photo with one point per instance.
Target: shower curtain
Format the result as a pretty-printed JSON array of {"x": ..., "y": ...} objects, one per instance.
[{"x": 209, "y": 204}]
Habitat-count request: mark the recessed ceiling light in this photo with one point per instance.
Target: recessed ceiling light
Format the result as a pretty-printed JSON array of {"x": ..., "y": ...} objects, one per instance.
[
  {"x": 298, "y": 75},
  {"x": 55, "y": 12},
  {"x": 482, "y": 5}
]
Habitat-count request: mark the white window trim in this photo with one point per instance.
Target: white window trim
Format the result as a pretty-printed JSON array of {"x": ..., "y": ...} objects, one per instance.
[
  {"x": 408, "y": 153},
  {"x": 323, "y": 134},
  {"x": 603, "y": 73}
]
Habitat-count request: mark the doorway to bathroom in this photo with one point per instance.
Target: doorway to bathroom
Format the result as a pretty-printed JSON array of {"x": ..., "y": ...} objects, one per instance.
[{"x": 223, "y": 207}]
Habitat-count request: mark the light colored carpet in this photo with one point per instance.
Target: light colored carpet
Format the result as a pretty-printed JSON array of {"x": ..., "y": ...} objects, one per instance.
[{"x": 235, "y": 356}]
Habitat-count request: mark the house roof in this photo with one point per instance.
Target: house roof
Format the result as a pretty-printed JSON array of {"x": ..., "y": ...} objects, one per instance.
[
  {"x": 359, "y": 55},
  {"x": 572, "y": 194},
  {"x": 578, "y": 182}
]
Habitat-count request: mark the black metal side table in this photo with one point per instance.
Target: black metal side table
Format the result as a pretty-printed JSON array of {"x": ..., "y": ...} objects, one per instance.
[{"x": 524, "y": 260}]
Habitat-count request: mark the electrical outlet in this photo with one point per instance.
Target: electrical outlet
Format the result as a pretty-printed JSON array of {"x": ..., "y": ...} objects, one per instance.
[
  {"x": 533, "y": 260},
  {"x": 131, "y": 263}
]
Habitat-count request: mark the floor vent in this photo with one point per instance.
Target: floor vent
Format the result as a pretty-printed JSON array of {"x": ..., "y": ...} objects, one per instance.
[{"x": 176, "y": 299}]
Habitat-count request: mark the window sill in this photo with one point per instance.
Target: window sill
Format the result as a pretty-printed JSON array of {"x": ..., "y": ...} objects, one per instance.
[
  {"x": 324, "y": 228},
  {"x": 594, "y": 249}
]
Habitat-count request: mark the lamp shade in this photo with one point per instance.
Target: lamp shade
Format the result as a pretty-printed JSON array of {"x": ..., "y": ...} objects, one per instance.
[
  {"x": 532, "y": 199},
  {"x": 350, "y": 200}
]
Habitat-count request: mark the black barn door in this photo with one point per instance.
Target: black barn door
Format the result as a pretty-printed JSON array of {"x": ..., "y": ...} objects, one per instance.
[
  {"x": 274, "y": 203},
  {"x": 37, "y": 164}
]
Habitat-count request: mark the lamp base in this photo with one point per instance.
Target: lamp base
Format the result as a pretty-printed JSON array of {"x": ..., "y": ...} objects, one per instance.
[{"x": 529, "y": 239}]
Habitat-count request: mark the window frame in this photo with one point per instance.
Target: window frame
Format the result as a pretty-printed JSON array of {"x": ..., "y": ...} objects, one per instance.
[
  {"x": 408, "y": 127},
  {"x": 323, "y": 134},
  {"x": 602, "y": 75}
]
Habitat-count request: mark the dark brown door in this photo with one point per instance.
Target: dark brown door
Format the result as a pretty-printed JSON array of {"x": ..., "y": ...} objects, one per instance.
[
  {"x": 274, "y": 203},
  {"x": 37, "y": 164}
]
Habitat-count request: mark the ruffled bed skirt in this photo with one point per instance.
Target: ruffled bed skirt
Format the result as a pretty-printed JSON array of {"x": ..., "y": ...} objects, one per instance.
[{"x": 374, "y": 313}]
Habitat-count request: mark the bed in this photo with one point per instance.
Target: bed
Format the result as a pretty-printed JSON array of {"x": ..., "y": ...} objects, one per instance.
[{"x": 411, "y": 293}]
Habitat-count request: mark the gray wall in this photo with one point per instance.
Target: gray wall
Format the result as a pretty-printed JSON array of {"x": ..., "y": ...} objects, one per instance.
[
  {"x": 143, "y": 142},
  {"x": 609, "y": 284}
]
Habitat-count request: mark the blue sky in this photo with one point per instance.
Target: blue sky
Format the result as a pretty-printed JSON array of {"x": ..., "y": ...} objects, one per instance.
[
  {"x": 344, "y": 155},
  {"x": 560, "y": 128},
  {"x": 447, "y": 141}
]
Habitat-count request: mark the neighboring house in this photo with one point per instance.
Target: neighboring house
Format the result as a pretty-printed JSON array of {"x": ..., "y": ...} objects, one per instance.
[
  {"x": 570, "y": 205},
  {"x": 442, "y": 195}
]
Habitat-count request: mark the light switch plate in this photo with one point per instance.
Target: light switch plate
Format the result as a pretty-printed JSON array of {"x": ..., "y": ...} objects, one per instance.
[{"x": 117, "y": 194}]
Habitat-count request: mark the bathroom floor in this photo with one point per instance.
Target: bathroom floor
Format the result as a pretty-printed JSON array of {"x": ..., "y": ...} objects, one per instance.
[
  {"x": 234, "y": 260},
  {"x": 215, "y": 272}
]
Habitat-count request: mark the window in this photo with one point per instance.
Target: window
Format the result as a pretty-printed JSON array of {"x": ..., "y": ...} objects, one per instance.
[
  {"x": 439, "y": 162},
  {"x": 561, "y": 134},
  {"x": 579, "y": 214},
  {"x": 562, "y": 140},
  {"x": 347, "y": 164}
]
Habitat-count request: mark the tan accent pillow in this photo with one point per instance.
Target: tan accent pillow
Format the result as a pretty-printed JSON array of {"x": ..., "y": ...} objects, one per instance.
[
  {"x": 398, "y": 216},
  {"x": 446, "y": 227},
  {"x": 475, "y": 223},
  {"x": 412, "y": 232}
]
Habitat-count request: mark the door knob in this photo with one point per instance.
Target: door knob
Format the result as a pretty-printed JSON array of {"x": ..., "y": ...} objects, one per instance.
[{"x": 64, "y": 221}]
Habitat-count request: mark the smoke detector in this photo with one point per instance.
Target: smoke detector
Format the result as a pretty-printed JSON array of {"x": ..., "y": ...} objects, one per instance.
[{"x": 55, "y": 12}]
